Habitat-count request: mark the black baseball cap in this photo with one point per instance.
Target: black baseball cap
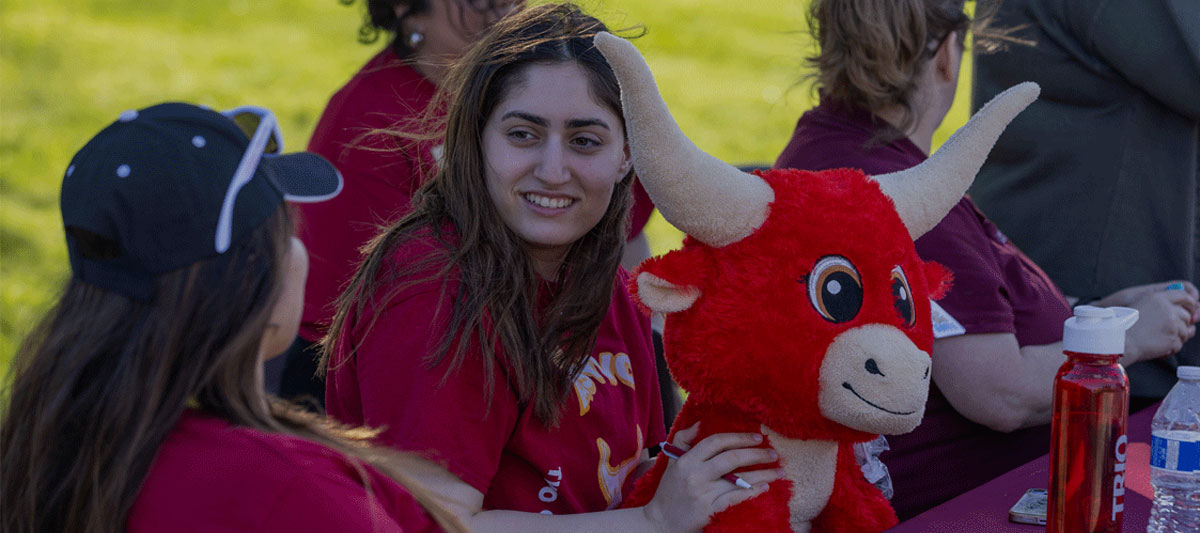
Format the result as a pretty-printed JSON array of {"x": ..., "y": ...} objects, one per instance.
[{"x": 172, "y": 184}]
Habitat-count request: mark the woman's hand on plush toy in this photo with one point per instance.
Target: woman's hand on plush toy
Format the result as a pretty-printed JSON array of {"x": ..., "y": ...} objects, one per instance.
[{"x": 692, "y": 488}]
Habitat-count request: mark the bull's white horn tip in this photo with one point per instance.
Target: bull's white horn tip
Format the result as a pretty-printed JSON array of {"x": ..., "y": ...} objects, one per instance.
[{"x": 1026, "y": 90}]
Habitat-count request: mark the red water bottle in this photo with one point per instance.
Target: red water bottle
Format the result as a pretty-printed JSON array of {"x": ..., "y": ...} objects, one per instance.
[{"x": 1087, "y": 433}]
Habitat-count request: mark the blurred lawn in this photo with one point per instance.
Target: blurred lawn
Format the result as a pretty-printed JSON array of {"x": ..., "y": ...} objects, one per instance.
[{"x": 728, "y": 70}]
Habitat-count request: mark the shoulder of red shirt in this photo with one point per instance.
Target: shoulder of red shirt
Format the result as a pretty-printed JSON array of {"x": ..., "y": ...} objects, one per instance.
[
  {"x": 252, "y": 477},
  {"x": 385, "y": 91},
  {"x": 385, "y": 85}
]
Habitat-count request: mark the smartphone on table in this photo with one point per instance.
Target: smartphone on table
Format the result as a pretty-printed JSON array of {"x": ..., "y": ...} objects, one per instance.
[{"x": 1030, "y": 509}]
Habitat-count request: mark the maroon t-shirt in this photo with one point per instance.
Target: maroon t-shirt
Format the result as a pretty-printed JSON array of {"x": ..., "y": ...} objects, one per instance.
[
  {"x": 494, "y": 442},
  {"x": 997, "y": 289},
  {"x": 212, "y": 476}
]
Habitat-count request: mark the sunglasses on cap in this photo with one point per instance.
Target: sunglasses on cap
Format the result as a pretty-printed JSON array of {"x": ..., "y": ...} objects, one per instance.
[{"x": 259, "y": 124}]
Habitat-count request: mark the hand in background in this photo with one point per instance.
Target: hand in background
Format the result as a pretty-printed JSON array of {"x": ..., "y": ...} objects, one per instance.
[{"x": 1166, "y": 319}]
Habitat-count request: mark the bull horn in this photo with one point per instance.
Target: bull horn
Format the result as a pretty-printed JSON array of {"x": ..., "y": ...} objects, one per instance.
[
  {"x": 925, "y": 193},
  {"x": 696, "y": 192}
]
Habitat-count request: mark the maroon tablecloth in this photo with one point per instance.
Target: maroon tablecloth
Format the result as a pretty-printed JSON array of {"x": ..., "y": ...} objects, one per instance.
[{"x": 985, "y": 508}]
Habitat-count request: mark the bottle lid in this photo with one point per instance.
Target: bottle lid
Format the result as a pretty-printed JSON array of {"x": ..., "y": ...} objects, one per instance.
[
  {"x": 1098, "y": 330},
  {"x": 1188, "y": 372}
]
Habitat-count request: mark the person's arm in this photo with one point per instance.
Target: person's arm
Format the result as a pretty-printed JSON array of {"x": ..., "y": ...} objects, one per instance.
[
  {"x": 991, "y": 380},
  {"x": 1153, "y": 45},
  {"x": 691, "y": 491}
]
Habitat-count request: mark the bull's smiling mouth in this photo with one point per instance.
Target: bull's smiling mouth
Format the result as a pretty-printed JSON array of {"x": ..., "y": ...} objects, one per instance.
[{"x": 851, "y": 389}]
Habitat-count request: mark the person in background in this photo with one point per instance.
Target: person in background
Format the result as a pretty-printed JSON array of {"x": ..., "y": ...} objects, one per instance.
[
  {"x": 394, "y": 87},
  {"x": 491, "y": 331},
  {"x": 137, "y": 404},
  {"x": 1099, "y": 180},
  {"x": 886, "y": 73}
]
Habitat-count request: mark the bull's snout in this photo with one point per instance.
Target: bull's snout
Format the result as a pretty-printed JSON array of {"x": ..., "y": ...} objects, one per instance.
[{"x": 874, "y": 379}]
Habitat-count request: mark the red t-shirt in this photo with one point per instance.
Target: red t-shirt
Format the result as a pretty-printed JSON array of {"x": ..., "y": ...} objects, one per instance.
[
  {"x": 496, "y": 444},
  {"x": 997, "y": 289},
  {"x": 212, "y": 476},
  {"x": 380, "y": 177}
]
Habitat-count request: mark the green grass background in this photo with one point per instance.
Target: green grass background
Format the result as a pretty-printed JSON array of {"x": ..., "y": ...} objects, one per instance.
[{"x": 728, "y": 70}]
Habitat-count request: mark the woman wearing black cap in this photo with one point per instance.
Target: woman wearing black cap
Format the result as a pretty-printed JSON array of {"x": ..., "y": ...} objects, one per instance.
[{"x": 137, "y": 404}]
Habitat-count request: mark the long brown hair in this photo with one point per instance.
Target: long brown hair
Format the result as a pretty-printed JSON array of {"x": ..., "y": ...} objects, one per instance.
[
  {"x": 103, "y": 379},
  {"x": 543, "y": 347}
]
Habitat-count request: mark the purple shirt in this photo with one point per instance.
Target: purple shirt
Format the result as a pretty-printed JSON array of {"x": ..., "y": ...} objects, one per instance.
[{"x": 997, "y": 289}]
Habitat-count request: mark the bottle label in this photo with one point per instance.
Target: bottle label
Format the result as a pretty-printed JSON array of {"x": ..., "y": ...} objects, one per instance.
[{"x": 1175, "y": 454}]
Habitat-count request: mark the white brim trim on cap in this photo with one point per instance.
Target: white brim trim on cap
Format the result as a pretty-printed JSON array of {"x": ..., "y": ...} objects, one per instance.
[{"x": 303, "y": 177}]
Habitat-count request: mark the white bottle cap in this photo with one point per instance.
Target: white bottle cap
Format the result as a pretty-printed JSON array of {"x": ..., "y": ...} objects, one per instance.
[
  {"x": 1188, "y": 372},
  {"x": 1098, "y": 330}
]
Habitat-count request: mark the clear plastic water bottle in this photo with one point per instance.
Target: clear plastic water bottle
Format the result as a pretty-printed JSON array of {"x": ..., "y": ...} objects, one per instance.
[{"x": 1175, "y": 457}]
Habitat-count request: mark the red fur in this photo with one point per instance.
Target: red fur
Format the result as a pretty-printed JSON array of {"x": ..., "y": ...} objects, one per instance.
[
  {"x": 750, "y": 349},
  {"x": 855, "y": 505},
  {"x": 940, "y": 279}
]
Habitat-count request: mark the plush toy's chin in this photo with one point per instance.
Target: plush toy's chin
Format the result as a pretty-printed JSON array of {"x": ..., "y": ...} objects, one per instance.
[
  {"x": 874, "y": 379},
  {"x": 856, "y": 411}
]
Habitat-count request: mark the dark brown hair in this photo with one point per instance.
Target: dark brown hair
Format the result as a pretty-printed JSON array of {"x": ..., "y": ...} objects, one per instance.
[
  {"x": 103, "y": 379},
  {"x": 872, "y": 51},
  {"x": 542, "y": 347}
]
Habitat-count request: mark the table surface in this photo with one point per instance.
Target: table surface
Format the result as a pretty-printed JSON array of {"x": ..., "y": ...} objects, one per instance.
[{"x": 985, "y": 508}]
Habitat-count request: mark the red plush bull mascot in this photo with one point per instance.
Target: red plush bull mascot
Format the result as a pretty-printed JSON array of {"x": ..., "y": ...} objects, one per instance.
[{"x": 797, "y": 306}]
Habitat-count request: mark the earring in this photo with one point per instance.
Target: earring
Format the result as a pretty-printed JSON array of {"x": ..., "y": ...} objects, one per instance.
[{"x": 415, "y": 39}]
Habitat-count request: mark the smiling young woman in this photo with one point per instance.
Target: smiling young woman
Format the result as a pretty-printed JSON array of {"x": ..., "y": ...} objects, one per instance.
[
  {"x": 553, "y": 161},
  {"x": 490, "y": 330}
]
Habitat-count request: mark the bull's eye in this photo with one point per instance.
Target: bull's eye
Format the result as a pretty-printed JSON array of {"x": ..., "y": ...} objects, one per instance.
[
  {"x": 902, "y": 297},
  {"x": 835, "y": 289}
]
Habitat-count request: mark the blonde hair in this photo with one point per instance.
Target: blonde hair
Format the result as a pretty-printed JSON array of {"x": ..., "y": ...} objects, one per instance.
[{"x": 871, "y": 51}]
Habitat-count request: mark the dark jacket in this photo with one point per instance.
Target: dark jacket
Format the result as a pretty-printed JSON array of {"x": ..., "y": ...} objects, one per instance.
[{"x": 1097, "y": 180}]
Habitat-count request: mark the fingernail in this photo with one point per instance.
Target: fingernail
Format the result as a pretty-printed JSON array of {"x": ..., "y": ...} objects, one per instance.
[
  {"x": 758, "y": 437},
  {"x": 774, "y": 454},
  {"x": 780, "y": 472},
  {"x": 763, "y": 486}
]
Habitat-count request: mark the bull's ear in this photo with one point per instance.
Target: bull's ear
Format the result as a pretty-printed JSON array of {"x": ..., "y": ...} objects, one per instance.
[
  {"x": 663, "y": 296},
  {"x": 670, "y": 283},
  {"x": 939, "y": 279}
]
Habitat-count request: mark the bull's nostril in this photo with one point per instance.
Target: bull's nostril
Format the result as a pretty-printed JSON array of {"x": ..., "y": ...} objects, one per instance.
[
  {"x": 872, "y": 367},
  {"x": 926, "y": 376}
]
